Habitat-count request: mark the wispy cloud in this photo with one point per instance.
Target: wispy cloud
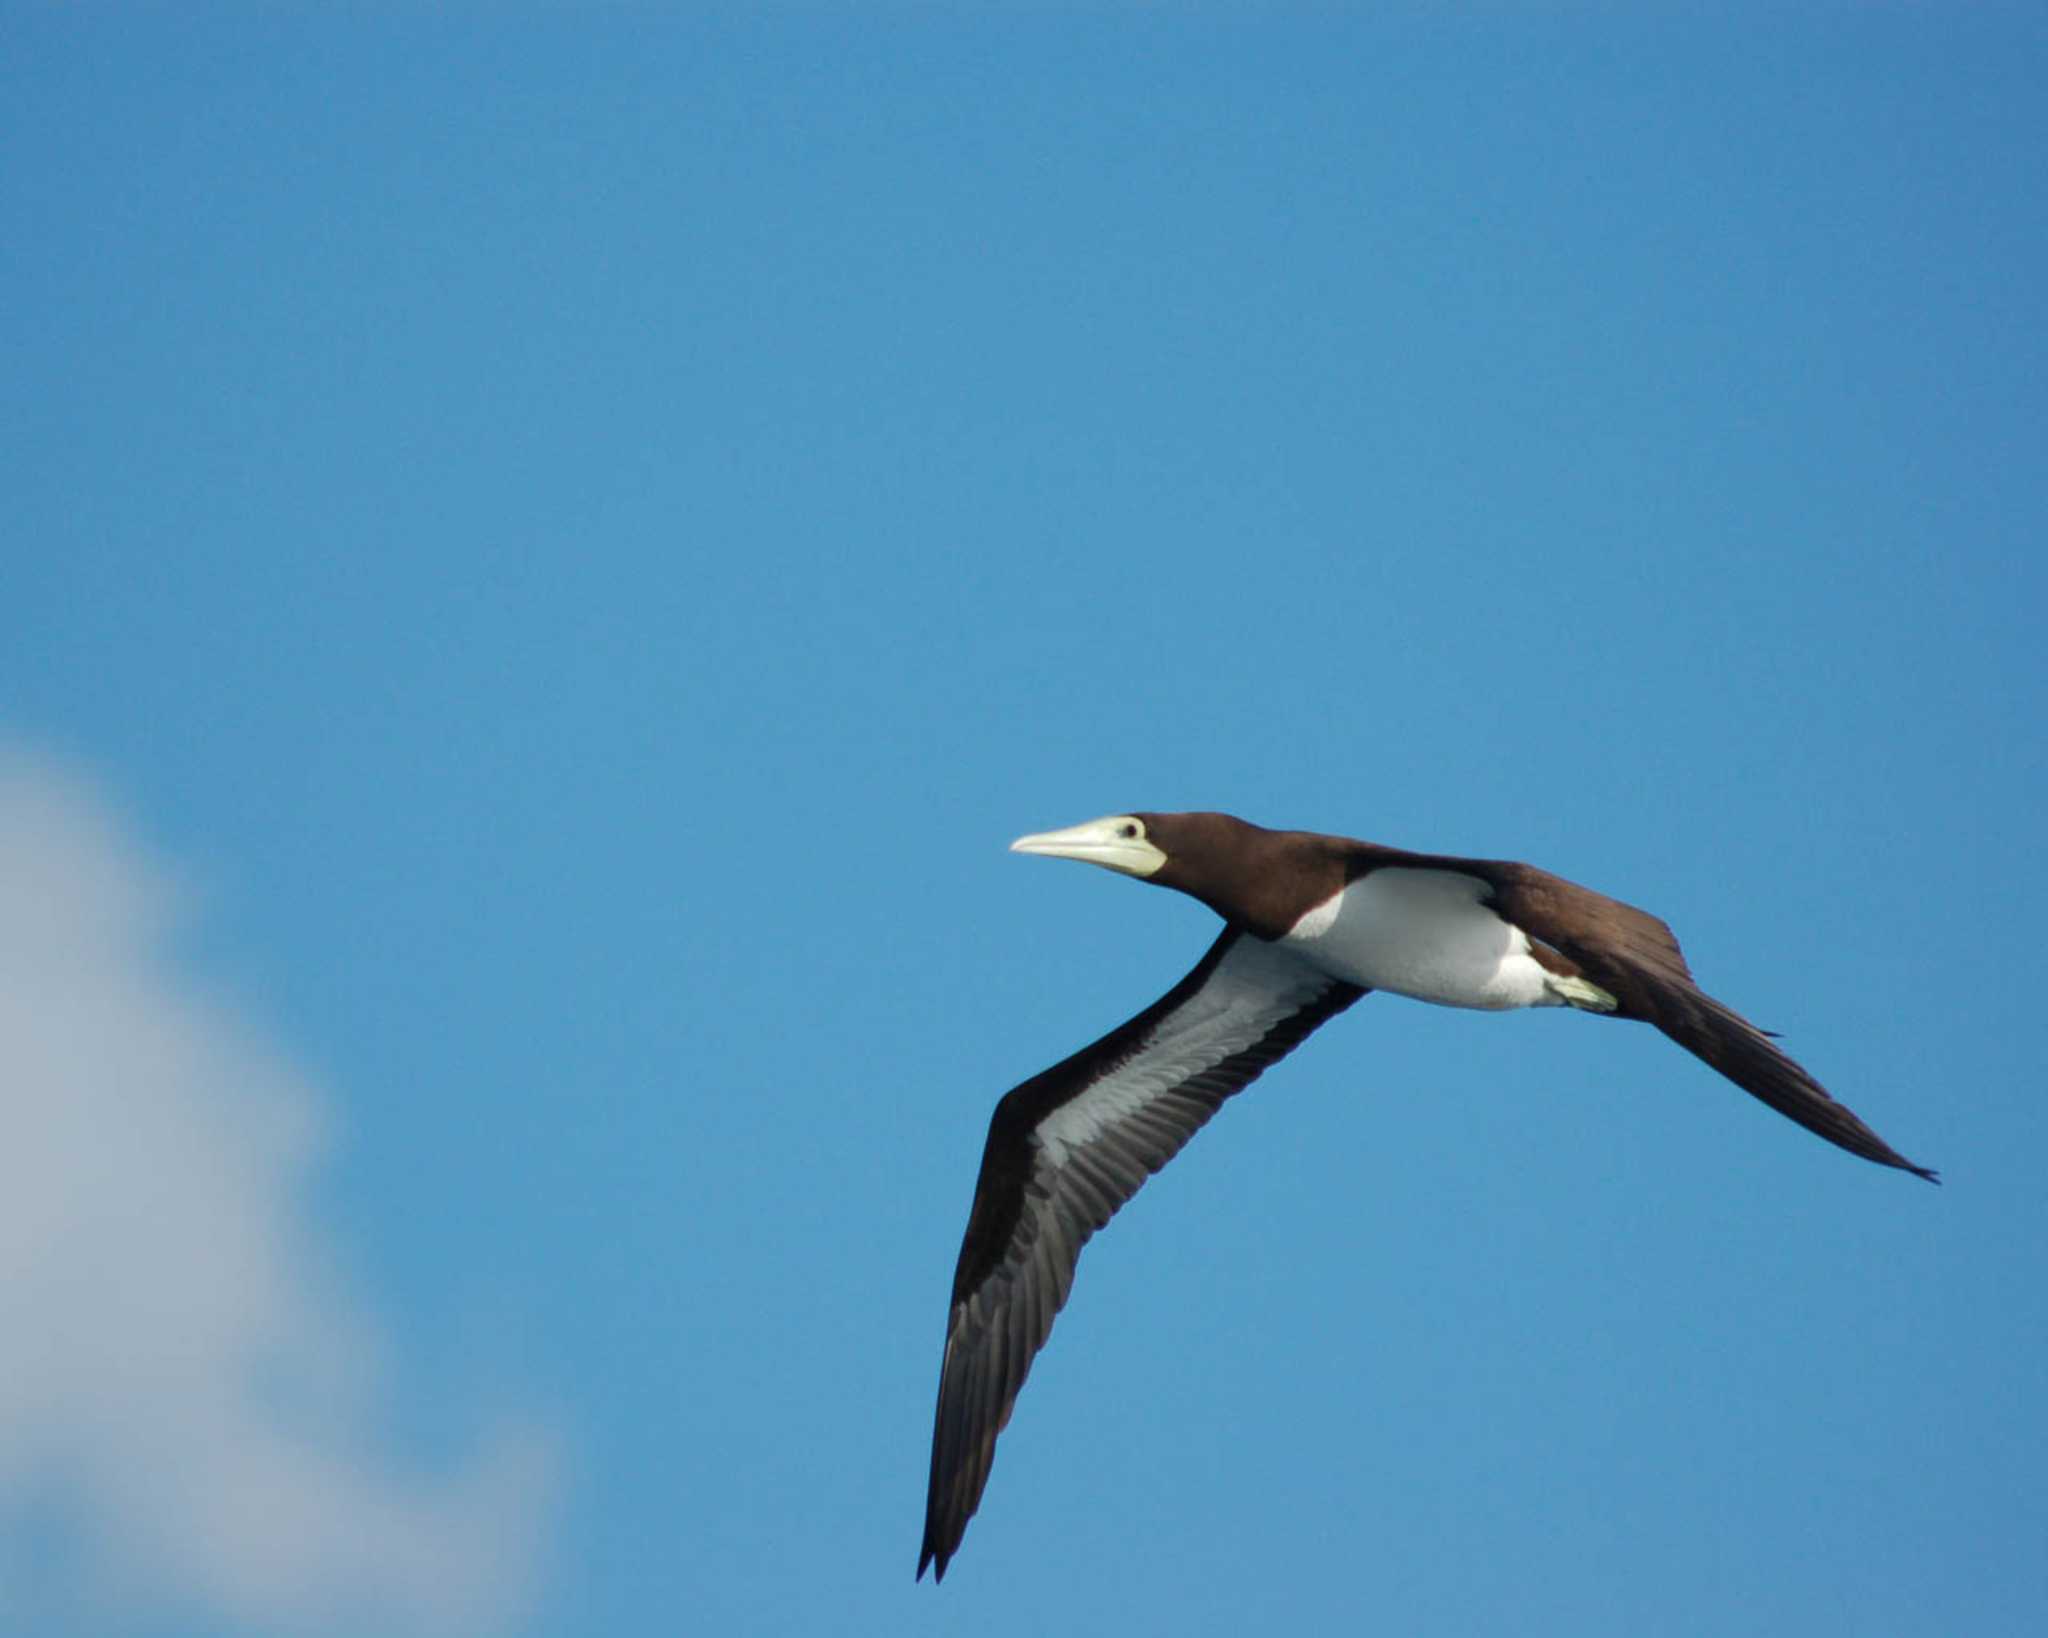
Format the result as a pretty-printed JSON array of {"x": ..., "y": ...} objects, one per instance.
[{"x": 187, "y": 1386}]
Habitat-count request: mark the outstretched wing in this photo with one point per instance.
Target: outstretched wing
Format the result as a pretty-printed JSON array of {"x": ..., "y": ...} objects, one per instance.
[
  {"x": 1065, "y": 1151},
  {"x": 1632, "y": 955}
]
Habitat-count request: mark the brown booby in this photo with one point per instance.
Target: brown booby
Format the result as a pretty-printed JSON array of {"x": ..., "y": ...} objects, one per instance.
[{"x": 1311, "y": 924}]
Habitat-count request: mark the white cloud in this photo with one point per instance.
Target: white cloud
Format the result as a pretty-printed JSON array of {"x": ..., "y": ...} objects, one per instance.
[{"x": 188, "y": 1392}]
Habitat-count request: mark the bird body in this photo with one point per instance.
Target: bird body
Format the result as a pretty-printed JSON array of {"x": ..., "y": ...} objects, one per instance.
[
  {"x": 1312, "y": 923},
  {"x": 1430, "y": 935}
]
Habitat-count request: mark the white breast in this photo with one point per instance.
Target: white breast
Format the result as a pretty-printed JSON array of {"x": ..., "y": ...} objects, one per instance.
[{"x": 1422, "y": 933}]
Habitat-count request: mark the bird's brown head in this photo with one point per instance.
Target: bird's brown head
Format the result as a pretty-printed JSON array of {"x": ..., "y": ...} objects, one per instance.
[{"x": 1241, "y": 871}]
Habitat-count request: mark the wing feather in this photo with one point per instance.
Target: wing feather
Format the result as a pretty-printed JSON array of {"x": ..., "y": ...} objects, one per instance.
[
  {"x": 1065, "y": 1151},
  {"x": 1635, "y": 957}
]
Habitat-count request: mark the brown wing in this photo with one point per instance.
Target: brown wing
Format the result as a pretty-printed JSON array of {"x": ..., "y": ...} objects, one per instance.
[
  {"x": 1065, "y": 1151},
  {"x": 1634, "y": 957}
]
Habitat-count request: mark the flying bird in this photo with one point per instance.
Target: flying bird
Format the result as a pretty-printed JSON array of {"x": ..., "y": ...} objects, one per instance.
[{"x": 1311, "y": 924}]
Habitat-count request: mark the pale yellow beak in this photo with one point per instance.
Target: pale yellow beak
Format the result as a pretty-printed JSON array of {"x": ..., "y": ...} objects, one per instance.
[{"x": 1116, "y": 843}]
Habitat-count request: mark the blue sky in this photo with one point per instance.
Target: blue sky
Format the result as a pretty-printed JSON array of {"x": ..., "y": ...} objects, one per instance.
[{"x": 546, "y": 557}]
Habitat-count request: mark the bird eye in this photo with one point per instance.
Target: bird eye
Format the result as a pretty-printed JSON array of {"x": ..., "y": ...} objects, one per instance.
[{"x": 1129, "y": 830}]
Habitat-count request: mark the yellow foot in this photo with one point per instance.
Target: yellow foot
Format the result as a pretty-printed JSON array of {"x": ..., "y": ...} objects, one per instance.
[{"x": 1576, "y": 992}]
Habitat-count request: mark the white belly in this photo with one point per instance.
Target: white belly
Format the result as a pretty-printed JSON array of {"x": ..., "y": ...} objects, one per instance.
[{"x": 1423, "y": 933}]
